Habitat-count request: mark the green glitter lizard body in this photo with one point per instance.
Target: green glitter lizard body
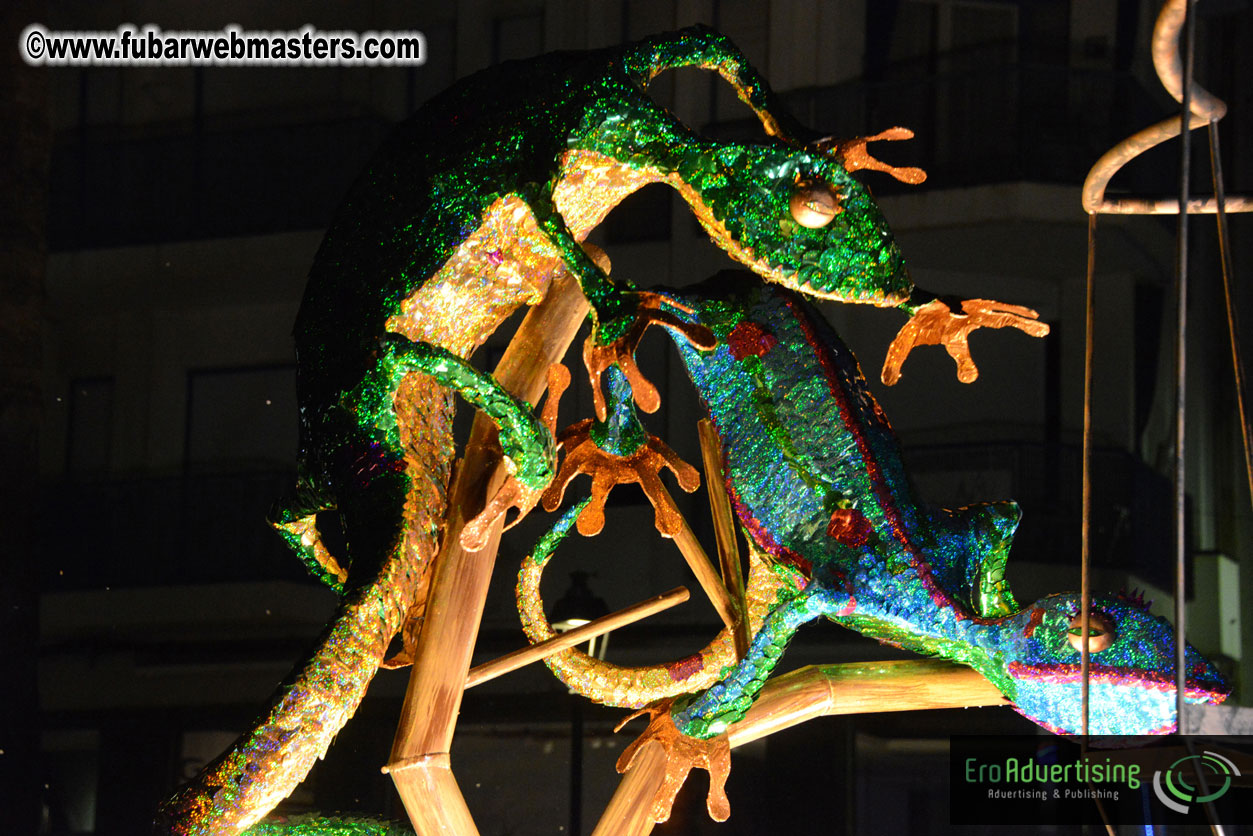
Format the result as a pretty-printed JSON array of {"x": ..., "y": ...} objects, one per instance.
[{"x": 468, "y": 212}]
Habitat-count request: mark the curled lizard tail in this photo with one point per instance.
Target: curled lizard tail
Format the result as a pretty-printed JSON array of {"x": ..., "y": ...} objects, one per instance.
[{"x": 627, "y": 687}]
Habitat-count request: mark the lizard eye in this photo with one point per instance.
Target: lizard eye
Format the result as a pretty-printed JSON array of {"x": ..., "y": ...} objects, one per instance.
[
  {"x": 813, "y": 205},
  {"x": 1100, "y": 632}
]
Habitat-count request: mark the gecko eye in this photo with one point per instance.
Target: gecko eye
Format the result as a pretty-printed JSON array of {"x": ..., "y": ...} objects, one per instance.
[
  {"x": 813, "y": 204},
  {"x": 1100, "y": 632}
]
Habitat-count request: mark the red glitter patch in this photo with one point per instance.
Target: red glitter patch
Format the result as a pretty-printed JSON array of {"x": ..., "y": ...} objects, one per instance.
[
  {"x": 748, "y": 339},
  {"x": 1037, "y": 615},
  {"x": 683, "y": 668},
  {"x": 849, "y": 526}
]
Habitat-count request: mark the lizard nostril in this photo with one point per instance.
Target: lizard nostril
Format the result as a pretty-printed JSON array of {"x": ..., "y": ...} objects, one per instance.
[
  {"x": 1100, "y": 632},
  {"x": 813, "y": 205}
]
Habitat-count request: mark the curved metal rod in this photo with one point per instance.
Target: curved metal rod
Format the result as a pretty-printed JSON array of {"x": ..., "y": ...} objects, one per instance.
[{"x": 1204, "y": 108}]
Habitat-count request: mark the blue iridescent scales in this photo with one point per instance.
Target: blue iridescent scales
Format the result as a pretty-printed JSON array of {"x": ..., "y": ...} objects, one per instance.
[{"x": 816, "y": 479}]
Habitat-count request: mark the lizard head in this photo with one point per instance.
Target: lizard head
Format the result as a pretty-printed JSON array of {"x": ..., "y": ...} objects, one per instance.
[
  {"x": 796, "y": 216},
  {"x": 1132, "y": 667},
  {"x": 787, "y": 208}
]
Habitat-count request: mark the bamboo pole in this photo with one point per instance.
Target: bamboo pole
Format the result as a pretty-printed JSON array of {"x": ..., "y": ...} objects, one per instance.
[
  {"x": 703, "y": 568},
  {"x": 419, "y": 763},
  {"x": 812, "y": 691},
  {"x": 862, "y": 688},
  {"x": 585, "y": 632},
  {"x": 724, "y": 532},
  {"x": 629, "y": 811}
]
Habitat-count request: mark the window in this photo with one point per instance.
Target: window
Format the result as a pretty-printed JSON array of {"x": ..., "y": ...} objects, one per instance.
[
  {"x": 517, "y": 36},
  {"x": 90, "y": 440},
  {"x": 242, "y": 418}
]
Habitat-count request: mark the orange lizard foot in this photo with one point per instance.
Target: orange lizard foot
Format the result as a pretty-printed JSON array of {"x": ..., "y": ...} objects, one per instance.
[
  {"x": 682, "y": 754},
  {"x": 621, "y": 352},
  {"x": 936, "y": 324},
  {"x": 584, "y": 455},
  {"x": 513, "y": 494}
]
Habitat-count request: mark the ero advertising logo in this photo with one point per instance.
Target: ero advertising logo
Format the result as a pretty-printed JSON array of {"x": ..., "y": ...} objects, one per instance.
[
  {"x": 1035, "y": 780},
  {"x": 1194, "y": 779}
]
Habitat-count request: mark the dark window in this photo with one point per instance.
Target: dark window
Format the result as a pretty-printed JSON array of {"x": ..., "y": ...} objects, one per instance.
[
  {"x": 90, "y": 440},
  {"x": 241, "y": 418},
  {"x": 517, "y": 36}
]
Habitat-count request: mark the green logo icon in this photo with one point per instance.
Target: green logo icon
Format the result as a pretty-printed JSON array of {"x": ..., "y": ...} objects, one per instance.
[{"x": 1182, "y": 782}]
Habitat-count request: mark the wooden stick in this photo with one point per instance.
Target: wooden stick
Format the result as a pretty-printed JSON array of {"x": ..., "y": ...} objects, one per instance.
[
  {"x": 629, "y": 811},
  {"x": 861, "y": 688},
  {"x": 431, "y": 778},
  {"x": 724, "y": 531},
  {"x": 458, "y": 588},
  {"x": 526, "y": 655},
  {"x": 813, "y": 691},
  {"x": 703, "y": 568}
]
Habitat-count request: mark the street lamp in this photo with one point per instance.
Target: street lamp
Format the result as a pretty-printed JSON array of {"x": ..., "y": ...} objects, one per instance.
[{"x": 577, "y": 607}]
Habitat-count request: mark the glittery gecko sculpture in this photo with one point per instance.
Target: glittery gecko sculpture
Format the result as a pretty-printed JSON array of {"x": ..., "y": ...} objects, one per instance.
[
  {"x": 815, "y": 478},
  {"x": 468, "y": 212}
]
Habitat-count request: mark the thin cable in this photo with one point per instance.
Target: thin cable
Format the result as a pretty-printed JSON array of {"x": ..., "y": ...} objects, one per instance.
[
  {"x": 1085, "y": 551},
  {"x": 1085, "y": 535},
  {"x": 1181, "y": 371},
  {"x": 1224, "y": 259},
  {"x": 1181, "y": 360}
]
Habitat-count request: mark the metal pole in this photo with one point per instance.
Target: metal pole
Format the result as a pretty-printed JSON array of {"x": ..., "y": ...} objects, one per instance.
[
  {"x": 1181, "y": 361},
  {"x": 1085, "y": 538}
]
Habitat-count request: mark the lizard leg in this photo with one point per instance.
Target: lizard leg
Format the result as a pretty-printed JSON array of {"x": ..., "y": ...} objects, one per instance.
[
  {"x": 603, "y": 351},
  {"x": 526, "y": 441},
  {"x": 729, "y": 700},
  {"x": 620, "y": 313},
  {"x": 528, "y": 445},
  {"x": 616, "y": 451},
  {"x": 295, "y": 519},
  {"x": 935, "y": 322},
  {"x": 514, "y": 494},
  {"x": 691, "y": 730}
]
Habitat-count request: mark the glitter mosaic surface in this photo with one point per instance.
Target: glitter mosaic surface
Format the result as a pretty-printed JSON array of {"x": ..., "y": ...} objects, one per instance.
[
  {"x": 815, "y": 473},
  {"x": 315, "y": 825},
  {"x": 628, "y": 687}
]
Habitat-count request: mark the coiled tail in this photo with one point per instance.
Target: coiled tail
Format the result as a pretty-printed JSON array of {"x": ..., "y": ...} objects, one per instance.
[{"x": 635, "y": 687}]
